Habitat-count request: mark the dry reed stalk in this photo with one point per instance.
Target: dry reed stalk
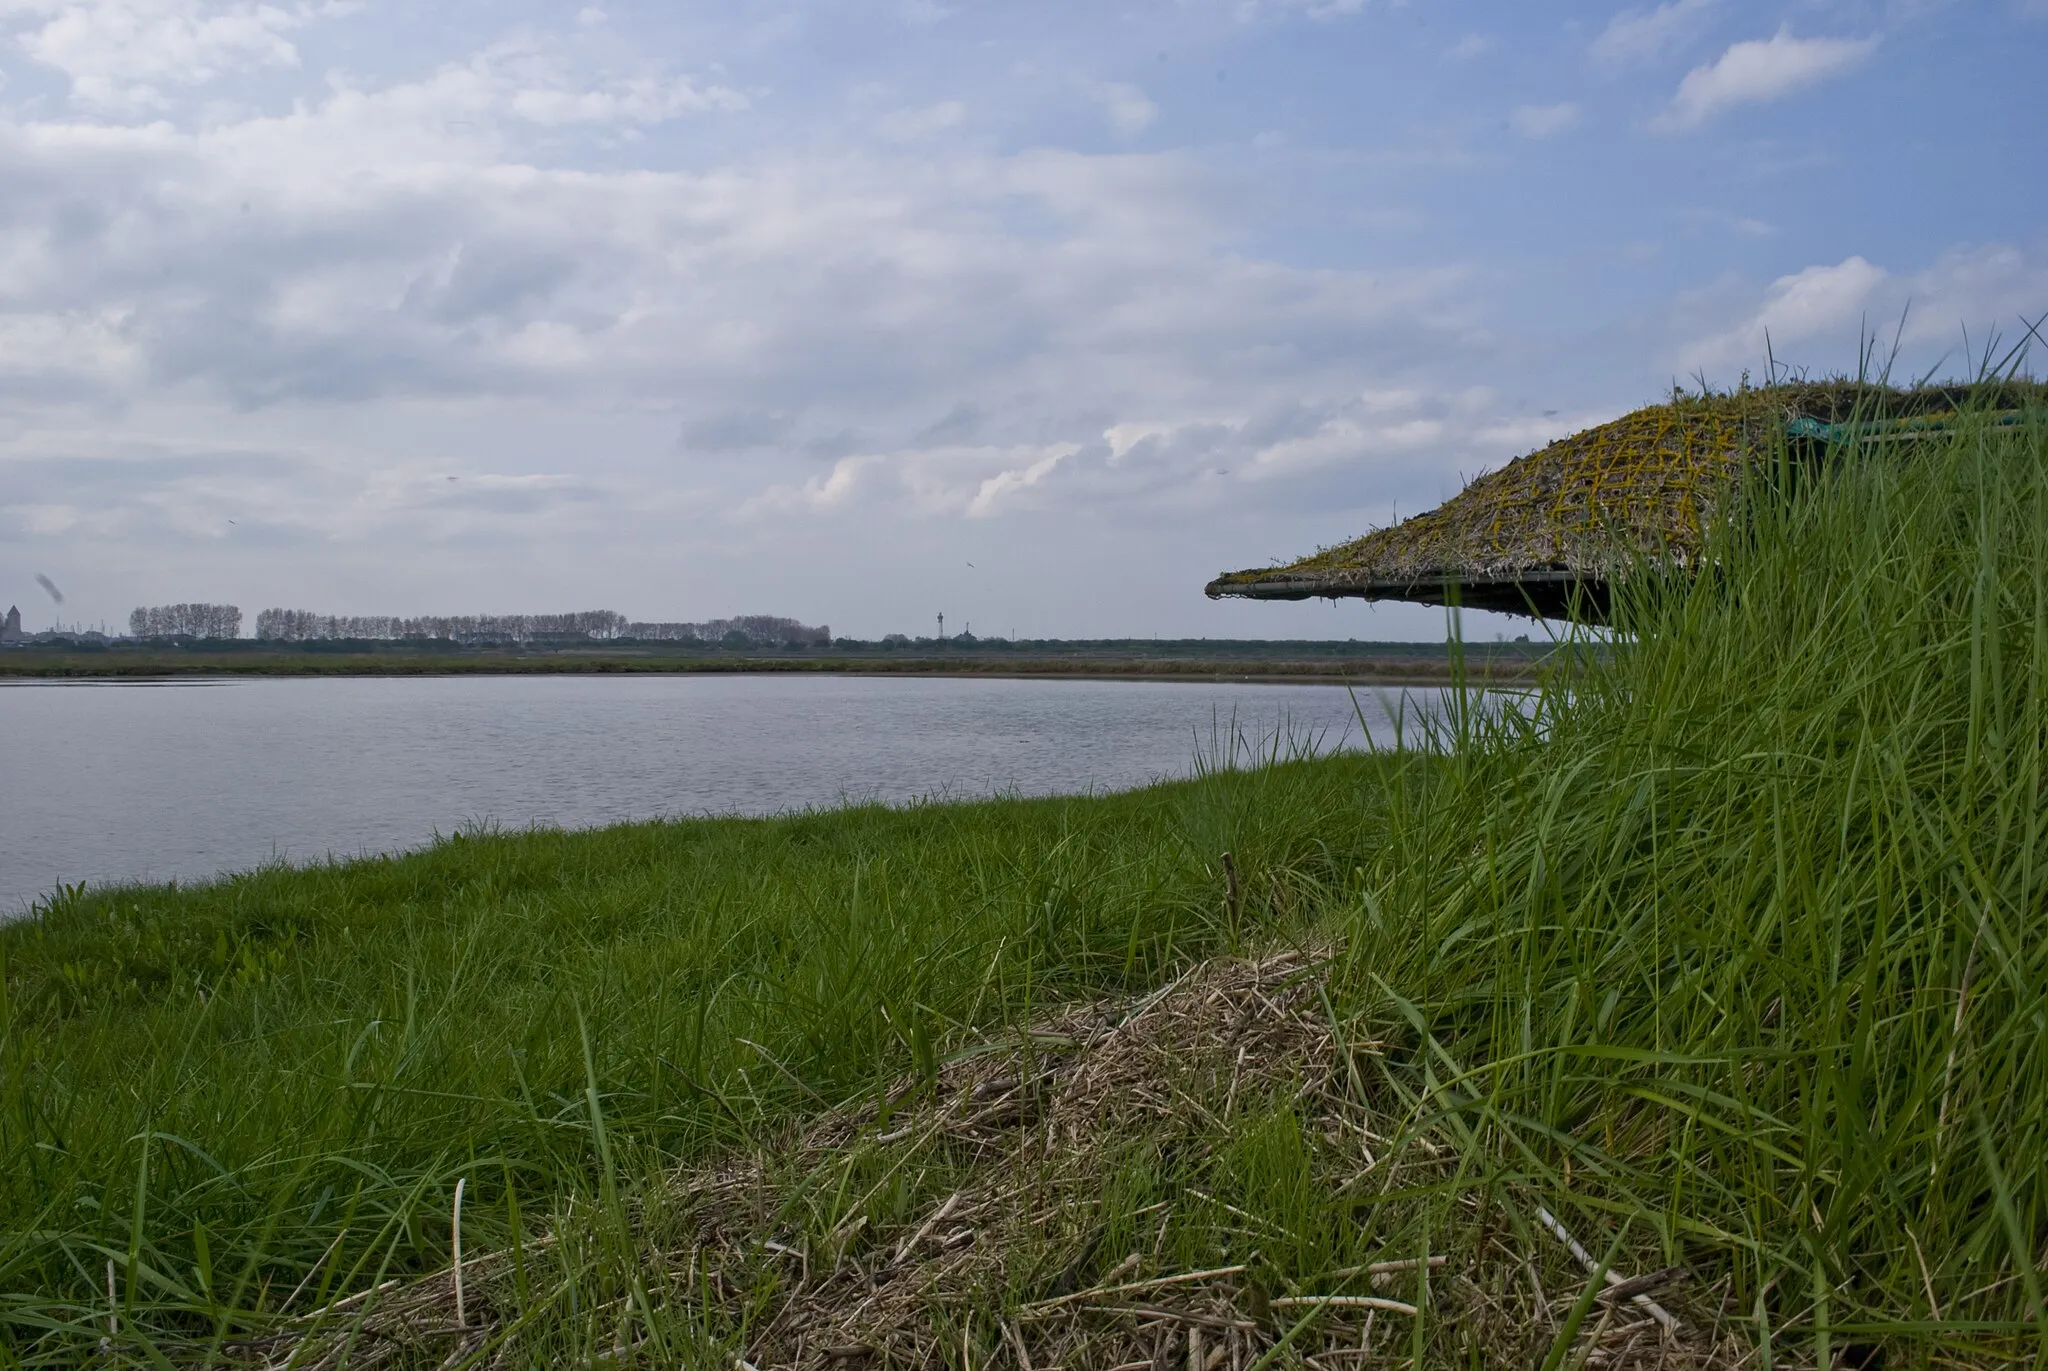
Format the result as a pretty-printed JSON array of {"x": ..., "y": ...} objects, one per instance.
[
  {"x": 1017, "y": 1138},
  {"x": 455, "y": 1241},
  {"x": 1618, "y": 1286}
]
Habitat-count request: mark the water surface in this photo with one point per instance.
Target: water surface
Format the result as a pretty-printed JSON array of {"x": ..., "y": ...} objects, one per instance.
[{"x": 110, "y": 782}]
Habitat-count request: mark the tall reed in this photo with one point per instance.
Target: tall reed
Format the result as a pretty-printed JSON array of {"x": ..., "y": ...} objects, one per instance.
[{"x": 1737, "y": 936}]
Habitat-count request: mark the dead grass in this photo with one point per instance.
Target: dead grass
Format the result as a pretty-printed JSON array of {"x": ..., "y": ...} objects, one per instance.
[{"x": 982, "y": 1214}]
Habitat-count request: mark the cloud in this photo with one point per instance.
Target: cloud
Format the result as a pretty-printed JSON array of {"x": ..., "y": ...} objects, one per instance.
[
  {"x": 1637, "y": 37},
  {"x": 1763, "y": 70},
  {"x": 381, "y": 283},
  {"x": 1130, "y": 113},
  {"x": 633, "y": 101},
  {"x": 1011, "y": 480},
  {"x": 402, "y": 242},
  {"x": 1985, "y": 289},
  {"x": 121, "y": 54},
  {"x": 1470, "y": 46},
  {"x": 1820, "y": 299},
  {"x": 836, "y": 487},
  {"x": 1818, "y": 302},
  {"x": 1396, "y": 441},
  {"x": 1544, "y": 121}
]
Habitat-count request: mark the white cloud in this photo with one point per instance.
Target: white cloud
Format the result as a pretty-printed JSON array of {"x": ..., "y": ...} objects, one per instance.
[
  {"x": 1635, "y": 37},
  {"x": 641, "y": 100},
  {"x": 122, "y": 54},
  {"x": 385, "y": 283},
  {"x": 1825, "y": 308},
  {"x": 829, "y": 491},
  {"x": 1762, "y": 70},
  {"x": 1817, "y": 303},
  {"x": 1820, "y": 299},
  {"x": 409, "y": 243},
  {"x": 1338, "y": 440},
  {"x": 1544, "y": 121},
  {"x": 1130, "y": 113},
  {"x": 877, "y": 313},
  {"x": 1010, "y": 480},
  {"x": 1470, "y": 46},
  {"x": 524, "y": 81},
  {"x": 1991, "y": 288}
]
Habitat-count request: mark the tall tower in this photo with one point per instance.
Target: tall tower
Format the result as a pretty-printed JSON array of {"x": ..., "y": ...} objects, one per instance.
[
  {"x": 942, "y": 628},
  {"x": 10, "y": 627}
]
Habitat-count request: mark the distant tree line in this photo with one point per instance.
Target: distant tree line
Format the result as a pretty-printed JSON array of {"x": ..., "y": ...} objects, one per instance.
[
  {"x": 303, "y": 625},
  {"x": 758, "y": 630},
  {"x": 590, "y": 625},
  {"x": 185, "y": 621}
]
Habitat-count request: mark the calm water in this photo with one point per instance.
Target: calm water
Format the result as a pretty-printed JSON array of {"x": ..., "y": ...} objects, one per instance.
[{"x": 112, "y": 782}]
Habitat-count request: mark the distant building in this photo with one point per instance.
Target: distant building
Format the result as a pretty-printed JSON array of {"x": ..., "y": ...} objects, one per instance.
[{"x": 10, "y": 627}]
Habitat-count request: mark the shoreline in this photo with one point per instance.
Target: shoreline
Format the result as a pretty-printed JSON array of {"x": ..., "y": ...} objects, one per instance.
[{"x": 1419, "y": 670}]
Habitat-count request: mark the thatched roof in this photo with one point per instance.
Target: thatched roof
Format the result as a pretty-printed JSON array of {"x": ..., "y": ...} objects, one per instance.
[{"x": 1556, "y": 525}]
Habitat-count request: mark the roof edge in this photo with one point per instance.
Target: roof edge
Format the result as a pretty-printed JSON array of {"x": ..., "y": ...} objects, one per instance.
[
  {"x": 1550, "y": 592},
  {"x": 1280, "y": 584}
]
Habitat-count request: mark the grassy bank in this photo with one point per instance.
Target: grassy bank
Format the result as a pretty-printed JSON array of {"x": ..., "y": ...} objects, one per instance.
[
  {"x": 1727, "y": 955},
  {"x": 235, "y": 1089}
]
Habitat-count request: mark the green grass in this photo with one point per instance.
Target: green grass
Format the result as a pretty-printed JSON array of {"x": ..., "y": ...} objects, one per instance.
[
  {"x": 1747, "y": 926},
  {"x": 1729, "y": 952},
  {"x": 232, "y": 1090}
]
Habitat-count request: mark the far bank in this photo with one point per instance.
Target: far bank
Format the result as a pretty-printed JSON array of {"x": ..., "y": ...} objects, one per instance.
[{"x": 1342, "y": 662}]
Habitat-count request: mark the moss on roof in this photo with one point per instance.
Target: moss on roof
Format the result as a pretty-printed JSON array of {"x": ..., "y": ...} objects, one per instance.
[{"x": 1563, "y": 520}]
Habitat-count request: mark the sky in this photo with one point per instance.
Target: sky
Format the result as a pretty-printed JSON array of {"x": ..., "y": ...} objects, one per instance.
[{"x": 1034, "y": 315}]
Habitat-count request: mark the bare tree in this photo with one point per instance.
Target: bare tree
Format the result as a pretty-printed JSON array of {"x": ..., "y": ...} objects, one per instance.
[
  {"x": 760, "y": 630},
  {"x": 581, "y": 626},
  {"x": 186, "y": 621}
]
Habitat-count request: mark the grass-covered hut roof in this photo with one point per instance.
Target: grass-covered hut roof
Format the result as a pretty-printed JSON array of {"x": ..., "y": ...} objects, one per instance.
[{"x": 1562, "y": 521}]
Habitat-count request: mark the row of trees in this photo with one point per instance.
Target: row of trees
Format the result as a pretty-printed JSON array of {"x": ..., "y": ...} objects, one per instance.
[
  {"x": 760, "y": 630},
  {"x": 590, "y": 625},
  {"x": 185, "y": 621},
  {"x": 303, "y": 625}
]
